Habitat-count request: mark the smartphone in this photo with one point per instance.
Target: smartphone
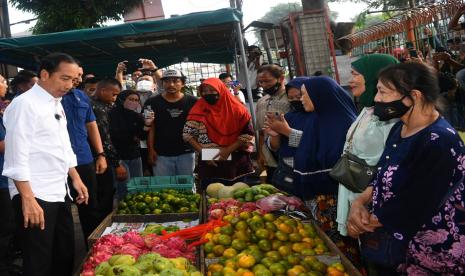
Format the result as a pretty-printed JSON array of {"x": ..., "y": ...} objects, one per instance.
[
  {"x": 413, "y": 53},
  {"x": 273, "y": 113},
  {"x": 133, "y": 66},
  {"x": 234, "y": 83}
]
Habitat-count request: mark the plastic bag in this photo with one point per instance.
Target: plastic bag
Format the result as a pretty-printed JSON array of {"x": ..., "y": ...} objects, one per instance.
[{"x": 277, "y": 202}]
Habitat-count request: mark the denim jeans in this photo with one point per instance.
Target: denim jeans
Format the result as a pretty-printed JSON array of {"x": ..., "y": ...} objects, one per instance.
[
  {"x": 134, "y": 169},
  {"x": 174, "y": 165}
]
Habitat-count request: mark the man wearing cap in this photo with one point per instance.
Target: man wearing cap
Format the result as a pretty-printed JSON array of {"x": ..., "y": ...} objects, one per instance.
[{"x": 168, "y": 153}]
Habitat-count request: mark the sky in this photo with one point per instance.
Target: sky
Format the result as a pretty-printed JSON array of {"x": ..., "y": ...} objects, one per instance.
[{"x": 253, "y": 10}]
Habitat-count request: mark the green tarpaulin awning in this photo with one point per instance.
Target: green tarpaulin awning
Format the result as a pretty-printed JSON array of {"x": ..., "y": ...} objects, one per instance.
[{"x": 201, "y": 37}]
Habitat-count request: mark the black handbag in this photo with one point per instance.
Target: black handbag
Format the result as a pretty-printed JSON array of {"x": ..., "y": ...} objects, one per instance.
[
  {"x": 352, "y": 172},
  {"x": 283, "y": 177}
]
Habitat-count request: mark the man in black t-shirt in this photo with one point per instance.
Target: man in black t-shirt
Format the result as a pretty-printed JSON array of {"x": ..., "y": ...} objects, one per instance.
[{"x": 168, "y": 153}]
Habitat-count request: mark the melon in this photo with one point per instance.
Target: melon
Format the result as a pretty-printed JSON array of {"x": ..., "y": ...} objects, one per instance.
[
  {"x": 213, "y": 188},
  {"x": 240, "y": 185},
  {"x": 226, "y": 192}
]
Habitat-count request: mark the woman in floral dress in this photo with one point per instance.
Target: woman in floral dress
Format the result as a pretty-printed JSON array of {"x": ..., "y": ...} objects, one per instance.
[{"x": 418, "y": 195}]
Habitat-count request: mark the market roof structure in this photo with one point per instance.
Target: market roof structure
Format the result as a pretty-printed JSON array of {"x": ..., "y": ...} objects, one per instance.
[
  {"x": 418, "y": 16},
  {"x": 200, "y": 37}
]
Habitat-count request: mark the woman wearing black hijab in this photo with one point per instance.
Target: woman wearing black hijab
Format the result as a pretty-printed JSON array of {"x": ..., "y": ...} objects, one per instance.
[{"x": 127, "y": 128}]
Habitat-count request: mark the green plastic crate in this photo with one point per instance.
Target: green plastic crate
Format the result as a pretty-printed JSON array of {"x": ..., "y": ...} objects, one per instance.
[{"x": 158, "y": 183}]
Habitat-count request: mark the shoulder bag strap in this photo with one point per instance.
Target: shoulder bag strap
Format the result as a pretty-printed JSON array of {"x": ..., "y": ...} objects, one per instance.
[{"x": 351, "y": 137}]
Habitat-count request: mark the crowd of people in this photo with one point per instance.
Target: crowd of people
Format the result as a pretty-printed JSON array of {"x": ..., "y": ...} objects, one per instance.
[{"x": 71, "y": 136}]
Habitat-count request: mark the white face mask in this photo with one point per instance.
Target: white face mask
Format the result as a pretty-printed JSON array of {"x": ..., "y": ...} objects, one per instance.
[{"x": 144, "y": 85}]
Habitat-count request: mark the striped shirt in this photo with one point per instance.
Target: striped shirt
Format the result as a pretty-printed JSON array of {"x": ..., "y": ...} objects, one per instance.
[{"x": 276, "y": 103}]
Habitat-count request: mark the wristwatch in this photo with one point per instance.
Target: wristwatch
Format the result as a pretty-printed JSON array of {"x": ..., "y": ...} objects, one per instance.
[{"x": 100, "y": 154}]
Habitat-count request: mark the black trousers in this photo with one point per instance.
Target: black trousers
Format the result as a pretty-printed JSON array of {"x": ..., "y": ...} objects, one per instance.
[
  {"x": 88, "y": 214},
  {"x": 379, "y": 270},
  {"x": 146, "y": 168},
  {"x": 48, "y": 252},
  {"x": 105, "y": 193},
  {"x": 269, "y": 174},
  {"x": 7, "y": 231}
]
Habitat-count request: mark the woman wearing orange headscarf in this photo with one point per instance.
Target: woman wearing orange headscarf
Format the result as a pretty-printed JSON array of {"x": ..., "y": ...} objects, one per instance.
[{"x": 218, "y": 120}]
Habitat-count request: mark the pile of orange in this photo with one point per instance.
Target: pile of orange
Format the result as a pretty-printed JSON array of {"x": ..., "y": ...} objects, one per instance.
[{"x": 266, "y": 245}]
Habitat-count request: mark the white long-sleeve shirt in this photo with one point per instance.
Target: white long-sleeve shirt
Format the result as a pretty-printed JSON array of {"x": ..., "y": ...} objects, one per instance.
[{"x": 37, "y": 145}]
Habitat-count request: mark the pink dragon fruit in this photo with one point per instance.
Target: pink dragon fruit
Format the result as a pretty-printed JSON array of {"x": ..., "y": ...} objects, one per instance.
[
  {"x": 134, "y": 238},
  {"x": 89, "y": 272},
  {"x": 176, "y": 243}
]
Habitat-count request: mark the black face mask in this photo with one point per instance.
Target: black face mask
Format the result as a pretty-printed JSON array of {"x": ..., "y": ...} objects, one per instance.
[
  {"x": 390, "y": 110},
  {"x": 272, "y": 90},
  {"x": 297, "y": 106},
  {"x": 211, "y": 98}
]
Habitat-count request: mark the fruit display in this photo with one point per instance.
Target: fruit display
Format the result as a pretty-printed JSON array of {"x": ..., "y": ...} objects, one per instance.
[
  {"x": 232, "y": 207},
  {"x": 241, "y": 192},
  {"x": 147, "y": 264},
  {"x": 256, "y": 193},
  {"x": 159, "y": 229},
  {"x": 218, "y": 190},
  {"x": 165, "y": 201},
  {"x": 132, "y": 245},
  {"x": 263, "y": 244}
]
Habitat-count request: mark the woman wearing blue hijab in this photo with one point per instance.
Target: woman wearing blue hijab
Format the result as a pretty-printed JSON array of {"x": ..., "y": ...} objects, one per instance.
[
  {"x": 297, "y": 119},
  {"x": 328, "y": 111}
]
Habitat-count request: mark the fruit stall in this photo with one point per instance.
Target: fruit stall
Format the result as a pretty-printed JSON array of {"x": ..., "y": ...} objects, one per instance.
[
  {"x": 228, "y": 230},
  {"x": 266, "y": 232}
]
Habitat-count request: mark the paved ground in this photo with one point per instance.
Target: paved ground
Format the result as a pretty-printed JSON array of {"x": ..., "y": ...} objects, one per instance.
[{"x": 79, "y": 245}]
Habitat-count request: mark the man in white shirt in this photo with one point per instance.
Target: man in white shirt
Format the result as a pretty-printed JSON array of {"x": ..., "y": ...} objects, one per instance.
[{"x": 38, "y": 159}]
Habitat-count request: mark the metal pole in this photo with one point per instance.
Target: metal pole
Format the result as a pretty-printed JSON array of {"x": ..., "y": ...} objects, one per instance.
[
  {"x": 246, "y": 74},
  {"x": 236, "y": 63},
  {"x": 286, "y": 49},
  {"x": 6, "y": 19},
  {"x": 266, "y": 44},
  {"x": 276, "y": 44},
  {"x": 232, "y": 3},
  {"x": 6, "y": 32}
]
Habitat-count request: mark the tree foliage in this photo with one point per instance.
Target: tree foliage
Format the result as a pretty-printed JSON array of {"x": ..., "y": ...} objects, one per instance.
[
  {"x": 364, "y": 20},
  {"x": 63, "y": 15},
  {"x": 278, "y": 12},
  {"x": 387, "y": 4}
]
